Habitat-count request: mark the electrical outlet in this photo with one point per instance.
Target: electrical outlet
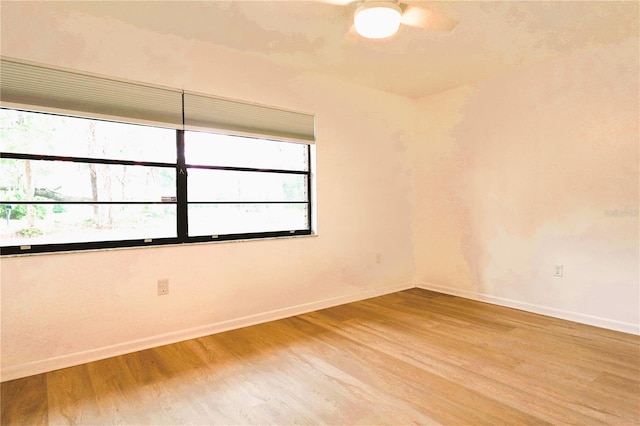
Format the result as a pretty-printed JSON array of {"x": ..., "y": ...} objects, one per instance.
[
  {"x": 378, "y": 258},
  {"x": 557, "y": 270},
  {"x": 163, "y": 287}
]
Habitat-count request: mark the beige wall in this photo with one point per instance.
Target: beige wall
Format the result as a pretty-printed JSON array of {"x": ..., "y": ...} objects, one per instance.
[
  {"x": 530, "y": 169},
  {"x": 58, "y": 309}
]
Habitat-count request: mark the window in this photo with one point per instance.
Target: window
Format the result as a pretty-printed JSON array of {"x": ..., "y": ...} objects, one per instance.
[
  {"x": 240, "y": 185},
  {"x": 70, "y": 180},
  {"x": 88, "y": 180}
]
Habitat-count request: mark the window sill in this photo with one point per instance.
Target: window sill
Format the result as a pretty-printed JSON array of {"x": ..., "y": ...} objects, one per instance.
[{"x": 158, "y": 246}]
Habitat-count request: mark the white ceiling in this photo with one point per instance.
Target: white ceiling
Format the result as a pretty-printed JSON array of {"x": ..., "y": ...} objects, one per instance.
[{"x": 490, "y": 37}]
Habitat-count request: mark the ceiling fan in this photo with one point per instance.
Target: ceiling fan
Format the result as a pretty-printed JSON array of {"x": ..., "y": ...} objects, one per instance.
[{"x": 382, "y": 18}]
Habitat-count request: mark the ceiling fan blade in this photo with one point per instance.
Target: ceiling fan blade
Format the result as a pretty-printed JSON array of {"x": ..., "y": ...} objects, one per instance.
[{"x": 415, "y": 16}]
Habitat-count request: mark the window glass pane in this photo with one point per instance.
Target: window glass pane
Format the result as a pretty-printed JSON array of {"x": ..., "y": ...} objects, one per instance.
[
  {"x": 34, "y": 180},
  {"x": 223, "y": 185},
  {"x": 71, "y": 223},
  {"x": 212, "y": 149},
  {"x": 220, "y": 219},
  {"x": 48, "y": 134}
]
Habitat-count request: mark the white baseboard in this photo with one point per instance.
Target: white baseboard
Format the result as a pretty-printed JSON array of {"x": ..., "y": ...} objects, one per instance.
[
  {"x": 69, "y": 360},
  {"x": 537, "y": 309}
]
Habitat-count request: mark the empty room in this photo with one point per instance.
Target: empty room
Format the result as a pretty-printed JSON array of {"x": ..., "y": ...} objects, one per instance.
[{"x": 282, "y": 212}]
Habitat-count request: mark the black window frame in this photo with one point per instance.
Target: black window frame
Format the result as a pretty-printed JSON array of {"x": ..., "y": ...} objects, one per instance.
[{"x": 182, "y": 220}]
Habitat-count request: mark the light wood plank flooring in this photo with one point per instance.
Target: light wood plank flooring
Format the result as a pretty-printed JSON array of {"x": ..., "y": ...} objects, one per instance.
[{"x": 413, "y": 357}]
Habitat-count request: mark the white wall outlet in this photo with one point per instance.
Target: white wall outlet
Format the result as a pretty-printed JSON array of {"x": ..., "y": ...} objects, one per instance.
[
  {"x": 163, "y": 287},
  {"x": 557, "y": 270},
  {"x": 378, "y": 258}
]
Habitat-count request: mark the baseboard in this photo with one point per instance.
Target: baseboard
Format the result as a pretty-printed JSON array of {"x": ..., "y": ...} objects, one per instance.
[
  {"x": 72, "y": 359},
  {"x": 537, "y": 309}
]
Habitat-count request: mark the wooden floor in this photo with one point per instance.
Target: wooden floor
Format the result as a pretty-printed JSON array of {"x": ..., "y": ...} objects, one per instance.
[{"x": 405, "y": 358}]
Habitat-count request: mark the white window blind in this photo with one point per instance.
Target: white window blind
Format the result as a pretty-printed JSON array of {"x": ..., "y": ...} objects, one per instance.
[
  {"x": 40, "y": 88},
  {"x": 34, "y": 87},
  {"x": 246, "y": 119}
]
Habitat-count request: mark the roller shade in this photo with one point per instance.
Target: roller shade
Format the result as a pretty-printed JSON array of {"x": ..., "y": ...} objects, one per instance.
[
  {"x": 241, "y": 118},
  {"x": 34, "y": 87},
  {"x": 39, "y": 88}
]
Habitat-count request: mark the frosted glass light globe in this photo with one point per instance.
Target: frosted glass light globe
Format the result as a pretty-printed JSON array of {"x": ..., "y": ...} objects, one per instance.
[{"x": 377, "y": 19}]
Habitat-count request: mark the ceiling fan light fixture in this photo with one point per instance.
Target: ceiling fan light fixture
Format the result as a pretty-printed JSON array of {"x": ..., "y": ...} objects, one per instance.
[{"x": 377, "y": 19}]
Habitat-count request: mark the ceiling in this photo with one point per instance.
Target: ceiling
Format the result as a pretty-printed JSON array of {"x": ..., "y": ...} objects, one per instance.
[{"x": 489, "y": 38}]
